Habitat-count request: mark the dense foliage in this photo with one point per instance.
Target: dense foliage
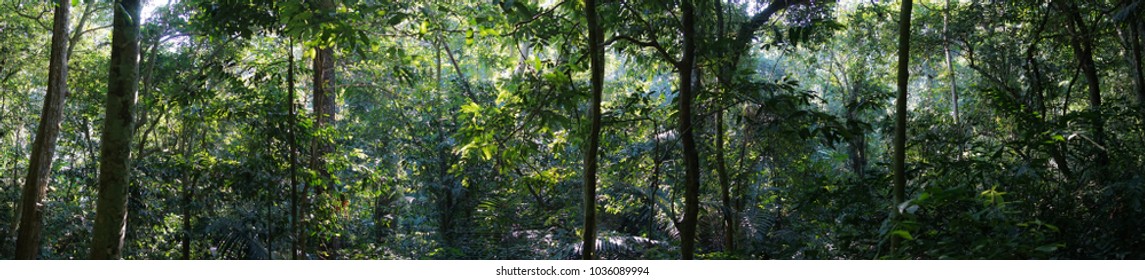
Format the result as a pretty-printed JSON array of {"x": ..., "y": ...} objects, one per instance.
[{"x": 459, "y": 129}]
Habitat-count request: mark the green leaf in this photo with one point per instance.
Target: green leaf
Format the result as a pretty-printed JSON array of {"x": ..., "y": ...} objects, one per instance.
[
  {"x": 487, "y": 151},
  {"x": 471, "y": 108},
  {"x": 903, "y": 234}
]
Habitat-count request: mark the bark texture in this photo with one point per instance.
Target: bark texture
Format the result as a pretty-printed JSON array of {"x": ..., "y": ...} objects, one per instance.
[
  {"x": 115, "y": 151},
  {"x": 44, "y": 147}
]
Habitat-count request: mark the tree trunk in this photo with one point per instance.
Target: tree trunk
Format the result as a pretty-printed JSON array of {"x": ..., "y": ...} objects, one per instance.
[
  {"x": 13, "y": 220},
  {"x": 858, "y": 141},
  {"x": 658, "y": 158},
  {"x": 187, "y": 198},
  {"x": 324, "y": 116},
  {"x": 725, "y": 186},
  {"x": 190, "y": 182},
  {"x": 115, "y": 152},
  {"x": 293, "y": 115},
  {"x": 596, "y": 52},
  {"x": 900, "y": 115},
  {"x": 1134, "y": 29},
  {"x": 16, "y": 173},
  {"x": 323, "y": 111},
  {"x": 44, "y": 147},
  {"x": 1082, "y": 43},
  {"x": 950, "y": 68},
  {"x": 739, "y": 47},
  {"x": 691, "y": 156},
  {"x": 721, "y": 164},
  {"x": 323, "y": 102}
]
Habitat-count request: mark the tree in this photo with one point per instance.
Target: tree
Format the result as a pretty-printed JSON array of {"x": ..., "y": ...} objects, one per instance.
[
  {"x": 596, "y": 54},
  {"x": 1129, "y": 12},
  {"x": 950, "y": 61},
  {"x": 900, "y": 116},
  {"x": 721, "y": 162},
  {"x": 725, "y": 187},
  {"x": 324, "y": 98},
  {"x": 738, "y": 45},
  {"x": 295, "y": 252},
  {"x": 44, "y": 147},
  {"x": 687, "y": 135},
  {"x": 325, "y": 111},
  {"x": 1081, "y": 40},
  {"x": 115, "y": 152},
  {"x": 489, "y": 132}
]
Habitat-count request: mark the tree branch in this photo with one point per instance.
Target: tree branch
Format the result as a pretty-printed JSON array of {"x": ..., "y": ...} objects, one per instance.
[
  {"x": 37, "y": 19},
  {"x": 747, "y": 31},
  {"x": 87, "y": 11},
  {"x": 460, "y": 75},
  {"x": 648, "y": 44}
]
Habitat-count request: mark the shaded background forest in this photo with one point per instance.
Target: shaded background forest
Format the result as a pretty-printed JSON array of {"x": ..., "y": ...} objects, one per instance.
[{"x": 458, "y": 129}]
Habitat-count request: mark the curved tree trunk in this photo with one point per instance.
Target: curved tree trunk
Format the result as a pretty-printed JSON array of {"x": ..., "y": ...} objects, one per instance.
[
  {"x": 1082, "y": 42},
  {"x": 44, "y": 147},
  {"x": 115, "y": 152}
]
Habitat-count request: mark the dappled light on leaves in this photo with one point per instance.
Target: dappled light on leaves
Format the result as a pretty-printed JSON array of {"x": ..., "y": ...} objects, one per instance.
[{"x": 569, "y": 129}]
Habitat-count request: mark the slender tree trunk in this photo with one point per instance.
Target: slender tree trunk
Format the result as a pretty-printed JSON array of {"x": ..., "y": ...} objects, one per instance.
[
  {"x": 596, "y": 52},
  {"x": 44, "y": 147},
  {"x": 658, "y": 158},
  {"x": 148, "y": 72},
  {"x": 950, "y": 68},
  {"x": 739, "y": 46},
  {"x": 691, "y": 156},
  {"x": 15, "y": 219},
  {"x": 900, "y": 115},
  {"x": 190, "y": 181},
  {"x": 858, "y": 141},
  {"x": 460, "y": 75},
  {"x": 188, "y": 197},
  {"x": 77, "y": 33},
  {"x": 293, "y": 115},
  {"x": 437, "y": 61},
  {"x": 115, "y": 152},
  {"x": 725, "y": 186},
  {"x": 1138, "y": 27},
  {"x": 16, "y": 172},
  {"x": 721, "y": 163}
]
